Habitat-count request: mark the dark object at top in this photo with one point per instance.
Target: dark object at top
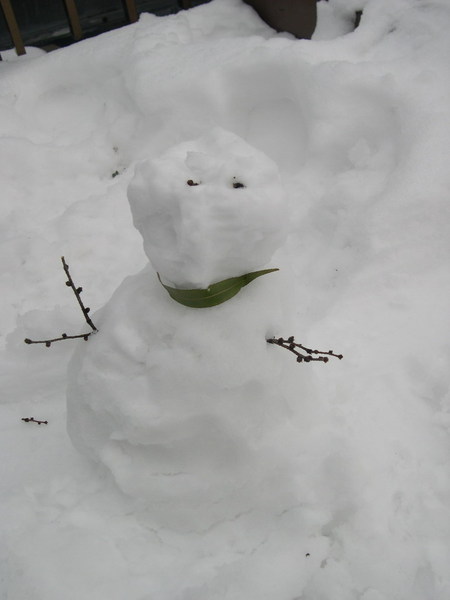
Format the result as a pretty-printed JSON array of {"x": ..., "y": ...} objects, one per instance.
[
  {"x": 55, "y": 23},
  {"x": 298, "y": 17},
  {"x": 61, "y": 22}
]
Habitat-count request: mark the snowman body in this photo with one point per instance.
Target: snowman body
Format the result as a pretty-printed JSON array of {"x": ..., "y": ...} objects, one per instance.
[{"x": 183, "y": 405}]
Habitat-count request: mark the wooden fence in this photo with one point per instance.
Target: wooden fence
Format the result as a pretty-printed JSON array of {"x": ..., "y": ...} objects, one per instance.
[
  {"x": 73, "y": 18},
  {"x": 295, "y": 16}
]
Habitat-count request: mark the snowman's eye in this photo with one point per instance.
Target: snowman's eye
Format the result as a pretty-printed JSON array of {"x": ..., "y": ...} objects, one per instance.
[
  {"x": 237, "y": 184},
  {"x": 191, "y": 183}
]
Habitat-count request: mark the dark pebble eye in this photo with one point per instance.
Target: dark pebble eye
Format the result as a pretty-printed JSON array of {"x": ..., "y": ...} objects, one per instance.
[
  {"x": 191, "y": 183},
  {"x": 237, "y": 184}
]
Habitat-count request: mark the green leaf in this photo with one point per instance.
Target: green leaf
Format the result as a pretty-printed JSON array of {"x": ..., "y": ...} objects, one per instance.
[{"x": 216, "y": 293}]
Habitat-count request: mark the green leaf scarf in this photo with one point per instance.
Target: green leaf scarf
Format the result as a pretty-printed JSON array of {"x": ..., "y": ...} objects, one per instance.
[{"x": 216, "y": 293}]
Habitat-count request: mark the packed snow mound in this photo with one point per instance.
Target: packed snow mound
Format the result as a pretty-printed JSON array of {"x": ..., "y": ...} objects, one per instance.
[
  {"x": 209, "y": 209},
  {"x": 183, "y": 405}
]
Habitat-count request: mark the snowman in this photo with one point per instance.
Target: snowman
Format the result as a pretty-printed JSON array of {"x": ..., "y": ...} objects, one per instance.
[{"x": 179, "y": 396}]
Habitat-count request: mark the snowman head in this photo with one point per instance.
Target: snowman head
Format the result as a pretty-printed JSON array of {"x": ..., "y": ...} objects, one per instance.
[{"x": 208, "y": 210}]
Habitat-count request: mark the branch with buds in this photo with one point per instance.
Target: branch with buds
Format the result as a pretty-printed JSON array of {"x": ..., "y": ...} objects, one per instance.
[
  {"x": 292, "y": 346},
  {"x": 84, "y": 309},
  {"x": 33, "y": 420}
]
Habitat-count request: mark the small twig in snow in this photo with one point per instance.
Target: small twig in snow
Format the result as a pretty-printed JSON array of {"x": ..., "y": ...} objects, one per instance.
[
  {"x": 33, "y": 420},
  {"x": 292, "y": 346}
]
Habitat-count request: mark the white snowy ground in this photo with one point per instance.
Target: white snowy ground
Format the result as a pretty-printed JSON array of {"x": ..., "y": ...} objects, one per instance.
[{"x": 359, "y": 125}]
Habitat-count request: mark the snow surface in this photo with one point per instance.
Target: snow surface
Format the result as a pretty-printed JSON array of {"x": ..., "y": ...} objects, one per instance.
[{"x": 359, "y": 127}]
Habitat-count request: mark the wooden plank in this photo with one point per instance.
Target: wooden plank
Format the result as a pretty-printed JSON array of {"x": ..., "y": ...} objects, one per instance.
[
  {"x": 74, "y": 19},
  {"x": 130, "y": 6},
  {"x": 14, "y": 30}
]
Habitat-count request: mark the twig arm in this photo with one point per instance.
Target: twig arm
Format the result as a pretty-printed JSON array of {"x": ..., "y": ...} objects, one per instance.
[
  {"x": 84, "y": 309},
  {"x": 292, "y": 346},
  {"x": 64, "y": 336},
  {"x": 77, "y": 291}
]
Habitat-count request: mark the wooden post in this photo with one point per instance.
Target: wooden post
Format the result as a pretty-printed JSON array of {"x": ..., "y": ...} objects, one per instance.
[
  {"x": 74, "y": 19},
  {"x": 14, "y": 30},
  {"x": 130, "y": 6}
]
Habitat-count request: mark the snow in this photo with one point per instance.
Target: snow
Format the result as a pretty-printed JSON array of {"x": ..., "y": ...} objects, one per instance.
[{"x": 357, "y": 123}]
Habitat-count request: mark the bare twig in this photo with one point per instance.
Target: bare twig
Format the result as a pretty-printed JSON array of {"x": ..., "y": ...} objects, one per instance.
[
  {"x": 33, "y": 420},
  {"x": 291, "y": 345},
  {"x": 64, "y": 336},
  {"x": 77, "y": 292},
  {"x": 84, "y": 309}
]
